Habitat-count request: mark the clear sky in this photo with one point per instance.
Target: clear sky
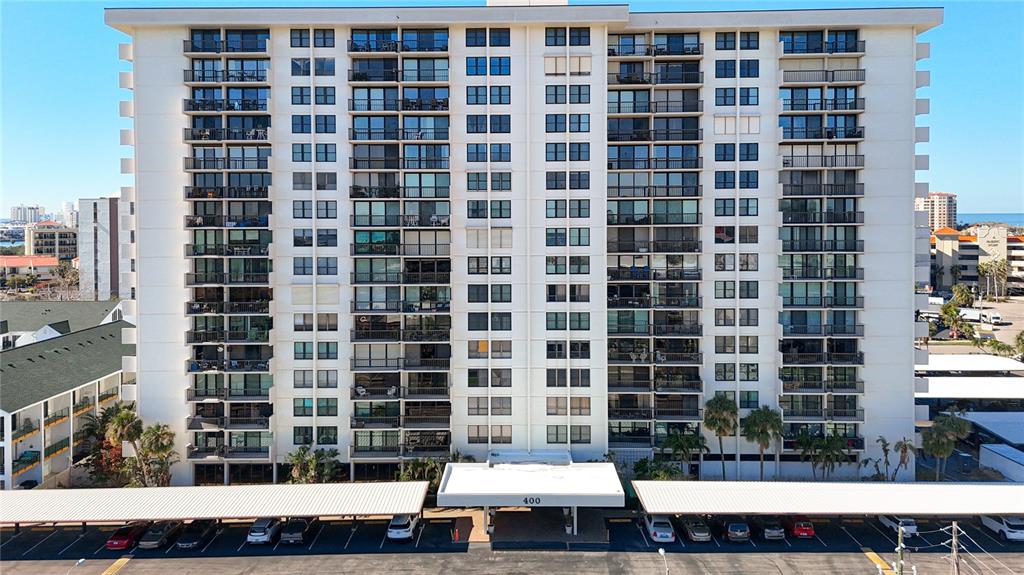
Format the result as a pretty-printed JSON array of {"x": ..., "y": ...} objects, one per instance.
[{"x": 60, "y": 128}]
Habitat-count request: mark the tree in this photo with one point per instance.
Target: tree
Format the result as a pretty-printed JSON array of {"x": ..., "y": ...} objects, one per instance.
[
  {"x": 424, "y": 469},
  {"x": 937, "y": 272},
  {"x": 832, "y": 452},
  {"x": 999, "y": 348},
  {"x": 105, "y": 463},
  {"x": 683, "y": 446},
  {"x": 941, "y": 438},
  {"x": 884, "y": 444},
  {"x": 1018, "y": 342},
  {"x": 65, "y": 276},
  {"x": 763, "y": 426},
  {"x": 904, "y": 448},
  {"x": 809, "y": 445},
  {"x": 963, "y": 296},
  {"x": 126, "y": 427},
  {"x": 649, "y": 469},
  {"x": 957, "y": 326},
  {"x": 720, "y": 417},
  {"x": 156, "y": 454},
  {"x": 313, "y": 465}
]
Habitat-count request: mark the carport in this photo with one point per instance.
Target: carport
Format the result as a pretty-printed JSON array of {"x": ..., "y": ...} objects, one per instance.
[
  {"x": 530, "y": 484},
  {"x": 211, "y": 502},
  {"x": 829, "y": 498}
]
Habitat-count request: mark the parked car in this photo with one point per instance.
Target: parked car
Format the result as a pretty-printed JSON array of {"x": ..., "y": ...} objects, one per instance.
[
  {"x": 733, "y": 528},
  {"x": 297, "y": 529},
  {"x": 1007, "y": 528},
  {"x": 799, "y": 526},
  {"x": 263, "y": 531},
  {"x": 159, "y": 534},
  {"x": 659, "y": 528},
  {"x": 769, "y": 528},
  {"x": 127, "y": 536},
  {"x": 895, "y": 523},
  {"x": 196, "y": 533},
  {"x": 696, "y": 530},
  {"x": 402, "y": 527}
]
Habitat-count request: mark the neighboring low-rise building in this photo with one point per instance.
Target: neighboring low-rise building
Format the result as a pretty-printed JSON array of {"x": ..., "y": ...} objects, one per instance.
[
  {"x": 49, "y": 238},
  {"x": 46, "y": 390},
  {"x": 98, "y": 270},
  {"x": 941, "y": 208},
  {"x": 26, "y": 322},
  {"x": 39, "y": 266},
  {"x": 956, "y": 254}
]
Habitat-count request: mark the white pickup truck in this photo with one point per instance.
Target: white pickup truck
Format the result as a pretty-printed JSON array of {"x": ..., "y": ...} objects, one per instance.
[{"x": 981, "y": 316}]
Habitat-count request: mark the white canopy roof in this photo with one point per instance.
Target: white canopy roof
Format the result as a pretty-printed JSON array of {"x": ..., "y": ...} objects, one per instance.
[
  {"x": 860, "y": 498},
  {"x": 969, "y": 362},
  {"x": 530, "y": 485},
  {"x": 1009, "y": 425},
  {"x": 211, "y": 502},
  {"x": 973, "y": 388}
]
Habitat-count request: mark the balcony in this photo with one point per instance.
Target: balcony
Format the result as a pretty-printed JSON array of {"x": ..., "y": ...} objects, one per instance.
[
  {"x": 374, "y": 451},
  {"x": 629, "y": 302},
  {"x": 427, "y": 278},
  {"x": 376, "y": 306},
  {"x": 677, "y": 414},
  {"x": 230, "y": 76},
  {"x": 804, "y": 358},
  {"x": 204, "y": 452},
  {"x": 26, "y": 430},
  {"x": 802, "y": 414},
  {"x": 630, "y": 441},
  {"x": 372, "y": 45},
  {"x": 679, "y": 329},
  {"x": 246, "y": 422},
  {"x": 110, "y": 394},
  {"x": 442, "y": 421},
  {"x": 416, "y": 45},
  {"x": 823, "y": 330},
  {"x": 630, "y": 413},
  {"x": 629, "y": 357},
  {"x": 683, "y": 302},
  {"x": 224, "y": 105},
  {"x": 655, "y": 274},
  {"x": 361, "y": 392},
  {"x": 369, "y": 335},
  {"x": 823, "y": 189},
  {"x": 822, "y": 76},
  {"x": 372, "y": 134},
  {"x": 677, "y": 358},
  {"x": 375, "y": 422},
  {"x": 375, "y": 249},
  {"x": 827, "y": 133},
  {"x": 373, "y": 75},
  {"x": 226, "y": 250},
  {"x": 677, "y": 49},
  {"x": 376, "y": 277},
  {"x": 680, "y": 134},
  {"x": 647, "y": 246},
  {"x": 813, "y": 272},
  {"x": 425, "y": 335},
  {"x": 676, "y": 384},
  {"x": 202, "y": 422},
  {"x": 638, "y": 135},
  {"x": 193, "y": 163},
  {"x": 226, "y": 192},
  {"x": 679, "y": 78},
  {"x": 228, "y": 365},
  {"x": 629, "y": 329},
  {"x": 376, "y": 364},
  {"x": 424, "y": 75},
  {"x": 640, "y": 107},
  {"x": 27, "y": 460},
  {"x": 424, "y": 105},
  {"x": 222, "y": 278},
  {"x": 822, "y": 104},
  {"x": 427, "y": 392},
  {"x": 844, "y": 386},
  {"x": 230, "y": 46},
  {"x": 822, "y": 245},
  {"x": 373, "y": 105},
  {"x": 374, "y": 163},
  {"x": 426, "y": 306},
  {"x": 83, "y": 405},
  {"x": 845, "y": 414},
  {"x": 426, "y": 450},
  {"x": 227, "y": 307},
  {"x": 425, "y": 134},
  {"x": 630, "y": 78},
  {"x": 818, "y": 47},
  {"x": 638, "y": 49},
  {"x": 229, "y": 221},
  {"x": 56, "y": 417},
  {"x": 629, "y": 385},
  {"x": 204, "y": 394},
  {"x": 425, "y": 163},
  {"x": 428, "y": 364},
  {"x": 225, "y": 134},
  {"x": 385, "y": 192},
  {"x": 246, "y": 452},
  {"x": 654, "y": 191},
  {"x": 822, "y": 302}
]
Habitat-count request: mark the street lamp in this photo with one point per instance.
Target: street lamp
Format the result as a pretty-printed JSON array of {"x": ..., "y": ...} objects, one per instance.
[
  {"x": 77, "y": 563},
  {"x": 661, "y": 551}
]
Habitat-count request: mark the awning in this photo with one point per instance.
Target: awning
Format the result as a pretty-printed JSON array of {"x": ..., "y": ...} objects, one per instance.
[
  {"x": 829, "y": 498},
  {"x": 211, "y": 502},
  {"x": 530, "y": 485}
]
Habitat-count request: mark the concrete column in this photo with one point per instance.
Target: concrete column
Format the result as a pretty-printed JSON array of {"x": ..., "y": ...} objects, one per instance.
[{"x": 575, "y": 515}]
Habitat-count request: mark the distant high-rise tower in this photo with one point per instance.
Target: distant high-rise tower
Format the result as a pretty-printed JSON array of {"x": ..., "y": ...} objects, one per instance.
[
  {"x": 98, "y": 250},
  {"x": 941, "y": 208}
]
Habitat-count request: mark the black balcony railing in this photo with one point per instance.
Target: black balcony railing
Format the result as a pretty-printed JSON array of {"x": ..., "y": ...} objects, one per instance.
[
  {"x": 807, "y": 358},
  {"x": 630, "y": 413},
  {"x": 227, "y": 365},
  {"x": 373, "y": 75},
  {"x": 376, "y": 334},
  {"x": 645, "y": 273},
  {"x": 832, "y": 217},
  {"x": 227, "y": 250},
  {"x": 822, "y": 245},
  {"x": 232, "y": 45},
  {"x": 631, "y": 78},
  {"x": 416, "y": 45},
  {"x": 420, "y": 334},
  {"x": 677, "y": 413},
  {"x": 815, "y": 272},
  {"x": 678, "y": 385},
  {"x": 376, "y": 363},
  {"x": 420, "y": 363},
  {"x": 679, "y": 77},
  {"x": 375, "y": 191},
  {"x": 232, "y": 76},
  {"x": 373, "y": 105},
  {"x": 427, "y": 392},
  {"x": 676, "y": 49},
  {"x": 224, "y": 105},
  {"x": 223, "y": 134},
  {"x": 373, "y": 134},
  {"x": 424, "y": 75},
  {"x": 381, "y": 306},
  {"x": 424, "y": 104},
  {"x": 676, "y": 301},
  {"x": 229, "y": 192},
  {"x": 439, "y": 420},
  {"x": 372, "y": 45},
  {"x": 356, "y": 163},
  {"x": 680, "y": 134},
  {"x": 822, "y": 104},
  {"x": 679, "y": 329},
  {"x": 246, "y": 452},
  {"x": 822, "y": 76},
  {"x": 384, "y": 422},
  {"x": 823, "y": 189}
]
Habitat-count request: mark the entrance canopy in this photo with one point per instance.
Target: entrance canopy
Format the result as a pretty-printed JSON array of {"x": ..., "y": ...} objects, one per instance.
[
  {"x": 530, "y": 485},
  {"x": 806, "y": 498},
  {"x": 211, "y": 502}
]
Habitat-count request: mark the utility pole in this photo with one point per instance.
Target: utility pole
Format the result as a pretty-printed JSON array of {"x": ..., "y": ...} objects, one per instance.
[
  {"x": 899, "y": 549},
  {"x": 955, "y": 556}
]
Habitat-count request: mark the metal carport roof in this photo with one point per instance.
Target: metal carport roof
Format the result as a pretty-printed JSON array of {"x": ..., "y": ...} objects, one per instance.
[
  {"x": 829, "y": 498},
  {"x": 530, "y": 484},
  {"x": 211, "y": 502}
]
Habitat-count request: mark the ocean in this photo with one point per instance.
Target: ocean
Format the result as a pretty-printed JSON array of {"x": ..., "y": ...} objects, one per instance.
[{"x": 1012, "y": 219}]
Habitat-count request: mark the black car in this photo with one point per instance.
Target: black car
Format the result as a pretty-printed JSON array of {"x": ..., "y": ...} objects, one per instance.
[
  {"x": 197, "y": 533},
  {"x": 297, "y": 529}
]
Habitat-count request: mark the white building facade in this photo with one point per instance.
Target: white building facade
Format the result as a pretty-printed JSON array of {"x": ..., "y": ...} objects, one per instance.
[
  {"x": 509, "y": 228},
  {"x": 99, "y": 248}
]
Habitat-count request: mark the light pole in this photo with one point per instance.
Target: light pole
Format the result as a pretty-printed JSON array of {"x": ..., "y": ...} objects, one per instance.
[
  {"x": 77, "y": 563},
  {"x": 661, "y": 551}
]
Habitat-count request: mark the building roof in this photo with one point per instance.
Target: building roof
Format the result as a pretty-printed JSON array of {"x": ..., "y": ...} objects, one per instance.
[
  {"x": 38, "y": 371},
  {"x": 1007, "y": 425},
  {"x": 829, "y": 498},
  {"x": 531, "y": 484},
  {"x": 973, "y": 388},
  {"x": 946, "y": 231},
  {"x": 1011, "y": 453},
  {"x": 212, "y": 502},
  {"x": 27, "y": 261},
  {"x": 29, "y": 316},
  {"x": 969, "y": 362}
]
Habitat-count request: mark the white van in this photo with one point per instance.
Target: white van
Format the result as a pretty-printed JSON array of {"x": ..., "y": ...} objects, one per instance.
[{"x": 1007, "y": 528}]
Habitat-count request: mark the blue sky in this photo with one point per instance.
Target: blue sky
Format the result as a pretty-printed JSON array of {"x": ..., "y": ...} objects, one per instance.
[{"x": 60, "y": 128}]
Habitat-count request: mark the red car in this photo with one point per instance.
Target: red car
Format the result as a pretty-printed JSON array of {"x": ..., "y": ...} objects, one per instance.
[
  {"x": 799, "y": 526},
  {"x": 126, "y": 537}
]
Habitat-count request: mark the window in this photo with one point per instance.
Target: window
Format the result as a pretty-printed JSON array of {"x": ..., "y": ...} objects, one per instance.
[
  {"x": 324, "y": 66},
  {"x": 725, "y": 344},
  {"x": 302, "y": 153},
  {"x": 554, "y": 153},
  {"x": 748, "y": 152},
  {"x": 748, "y": 206},
  {"x": 554, "y": 208},
  {"x": 325, "y": 124},
  {"x": 748, "y": 372},
  {"x": 579, "y": 434},
  {"x": 300, "y": 124},
  {"x": 501, "y": 95},
  {"x": 299, "y": 38},
  {"x": 748, "y": 40},
  {"x": 501, "y": 406},
  {"x": 748, "y": 317},
  {"x": 327, "y": 406},
  {"x": 748, "y": 179},
  {"x": 579, "y": 406},
  {"x": 476, "y": 152},
  {"x": 748, "y": 399},
  {"x": 477, "y": 293},
  {"x": 501, "y": 434},
  {"x": 748, "y": 290},
  {"x": 501, "y": 293},
  {"x": 555, "y": 321},
  {"x": 725, "y": 207},
  {"x": 323, "y": 38},
  {"x": 302, "y": 407},
  {"x": 725, "y": 152},
  {"x": 748, "y": 262},
  {"x": 500, "y": 37},
  {"x": 554, "y": 94},
  {"x": 555, "y": 265},
  {"x": 501, "y": 152},
  {"x": 725, "y": 317},
  {"x": 501, "y": 124},
  {"x": 327, "y": 378},
  {"x": 501, "y": 209},
  {"x": 725, "y": 235},
  {"x": 748, "y": 96},
  {"x": 554, "y": 181},
  {"x": 748, "y": 234},
  {"x": 302, "y": 181},
  {"x": 579, "y": 320},
  {"x": 303, "y": 322},
  {"x": 554, "y": 237},
  {"x": 302, "y": 266},
  {"x": 302, "y": 209},
  {"x": 501, "y": 321},
  {"x": 579, "y": 377},
  {"x": 501, "y": 65},
  {"x": 748, "y": 344},
  {"x": 327, "y": 350},
  {"x": 725, "y": 289},
  {"x": 477, "y": 405},
  {"x": 558, "y": 434},
  {"x": 725, "y": 68},
  {"x": 327, "y": 181},
  {"x": 302, "y": 378},
  {"x": 326, "y": 209},
  {"x": 579, "y": 122},
  {"x": 302, "y": 238},
  {"x": 579, "y": 208},
  {"x": 557, "y": 405},
  {"x": 501, "y": 377},
  {"x": 476, "y": 37},
  {"x": 579, "y": 36},
  {"x": 579, "y": 264},
  {"x": 579, "y": 236},
  {"x": 725, "y": 262},
  {"x": 725, "y": 372},
  {"x": 476, "y": 95},
  {"x": 327, "y": 152},
  {"x": 476, "y": 434},
  {"x": 501, "y": 181},
  {"x": 300, "y": 95},
  {"x": 554, "y": 123},
  {"x": 725, "y": 96},
  {"x": 579, "y": 180},
  {"x": 476, "y": 123},
  {"x": 554, "y": 36},
  {"x": 556, "y": 378},
  {"x": 579, "y": 94},
  {"x": 725, "y": 41},
  {"x": 327, "y": 266},
  {"x": 476, "y": 66},
  {"x": 579, "y": 152},
  {"x": 725, "y": 180},
  {"x": 327, "y": 435},
  {"x": 477, "y": 321},
  {"x": 476, "y": 209},
  {"x": 748, "y": 69},
  {"x": 300, "y": 66},
  {"x": 477, "y": 377},
  {"x": 501, "y": 265},
  {"x": 302, "y": 435}
]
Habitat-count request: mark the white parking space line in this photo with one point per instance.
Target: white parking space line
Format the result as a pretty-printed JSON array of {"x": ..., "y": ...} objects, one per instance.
[
  {"x": 52, "y": 533},
  {"x": 786, "y": 541},
  {"x": 681, "y": 544},
  {"x": 752, "y": 542},
  {"x": 210, "y": 542},
  {"x": 883, "y": 533},
  {"x": 845, "y": 530},
  {"x": 983, "y": 531},
  {"x": 820, "y": 540},
  {"x": 422, "y": 527},
  {"x": 925, "y": 539},
  {"x": 102, "y": 547},
  {"x": 169, "y": 547},
  {"x": 351, "y": 533},
  {"x": 72, "y": 544},
  {"x": 383, "y": 539},
  {"x": 715, "y": 539},
  {"x": 240, "y": 546},
  {"x": 644, "y": 535},
  {"x": 10, "y": 538},
  {"x": 317, "y": 536},
  {"x": 278, "y": 543}
]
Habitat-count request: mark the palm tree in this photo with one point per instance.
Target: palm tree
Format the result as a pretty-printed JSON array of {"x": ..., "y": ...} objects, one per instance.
[
  {"x": 809, "y": 445},
  {"x": 904, "y": 448},
  {"x": 941, "y": 438},
  {"x": 937, "y": 272},
  {"x": 884, "y": 444},
  {"x": 310, "y": 465},
  {"x": 763, "y": 426},
  {"x": 683, "y": 446},
  {"x": 1018, "y": 342},
  {"x": 720, "y": 416},
  {"x": 832, "y": 452},
  {"x": 999, "y": 348},
  {"x": 156, "y": 454},
  {"x": 459, "y": 457},
  {"x": 984, "y": 271},
  {"x": 126, "y": 426},
  {"x": 962, "y": 296},
  {"x": 428, "y": 469}
]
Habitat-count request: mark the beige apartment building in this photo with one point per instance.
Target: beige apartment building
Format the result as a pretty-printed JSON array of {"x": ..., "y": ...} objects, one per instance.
[
  {"x": 51, "y": 239},
  {"x": 941, "y": 209},
  {"x": 956, "y": 255}
]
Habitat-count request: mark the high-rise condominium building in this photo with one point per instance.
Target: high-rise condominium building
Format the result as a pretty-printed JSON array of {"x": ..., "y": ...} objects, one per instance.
[
  {"x": 98, "y": 248},
  {"x": 941, "y": 209},
  {"x": 403, "y": 232},
  {"x": 27, "y": 214}
]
